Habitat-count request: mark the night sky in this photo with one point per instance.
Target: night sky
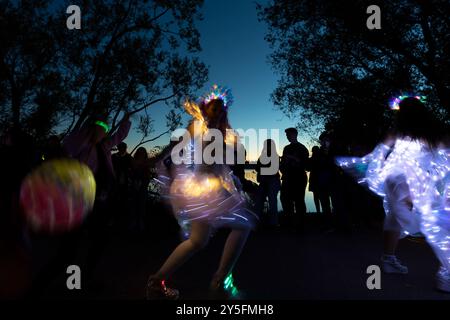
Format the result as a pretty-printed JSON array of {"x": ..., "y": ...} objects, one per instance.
[{"x": 236, "y": 53}]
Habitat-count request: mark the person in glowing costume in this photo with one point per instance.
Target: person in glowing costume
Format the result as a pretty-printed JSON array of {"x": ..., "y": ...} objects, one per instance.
[
  {"x": 410, "y": 170},
  {"x": 204, "y": 198}
]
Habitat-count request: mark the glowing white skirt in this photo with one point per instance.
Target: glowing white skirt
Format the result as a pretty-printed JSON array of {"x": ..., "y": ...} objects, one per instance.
[
  {"x": 208, "y": 197},
  {"x": 410, "y": 172}
]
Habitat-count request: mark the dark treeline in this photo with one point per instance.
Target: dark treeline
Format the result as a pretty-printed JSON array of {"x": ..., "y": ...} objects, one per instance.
[
  {"x": 127, "y": 56},
  {"x": 335, "y": 71}
]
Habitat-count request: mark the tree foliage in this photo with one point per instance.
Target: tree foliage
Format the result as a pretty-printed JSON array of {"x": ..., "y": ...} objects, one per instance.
[
  {"x": 332, "y": 66},
  {"x": 128, "y": 55}
]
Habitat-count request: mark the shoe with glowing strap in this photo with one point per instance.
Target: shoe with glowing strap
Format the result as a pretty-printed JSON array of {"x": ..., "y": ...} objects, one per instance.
[
  {"x": 443, "y": 280},
  {"x": 226, "y": 289},
  {"x": 157, "y": 290},
  {"x": 390, "y": 264}
]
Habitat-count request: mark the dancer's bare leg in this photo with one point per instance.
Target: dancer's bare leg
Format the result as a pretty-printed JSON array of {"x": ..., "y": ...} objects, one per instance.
[
  {"x": 200, "y": 233},
  {"x": 390, "y": 242},
  {"x": 231, "y": 252},
  {"x": 391, "y": 234},
  {"x": 400, "y": 209}
]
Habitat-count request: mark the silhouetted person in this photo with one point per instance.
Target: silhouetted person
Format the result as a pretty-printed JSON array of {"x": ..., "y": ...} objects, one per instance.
[
  {"x": 18, "y": 156},
  {"x": 313, "y": 167},
  {"x": 269, "y": 185},
  {"x": 292, "y": 166},
  {"x": 53, "y": 149},
  {"x": 92, "y": 145},
  {"x": 320, "y": 180},
  {"x": 139, "y": 180},
  {"x": 122, "y": 165},
  {"x": 339, "y": 182},
  {"x": 238, "y": 169}
]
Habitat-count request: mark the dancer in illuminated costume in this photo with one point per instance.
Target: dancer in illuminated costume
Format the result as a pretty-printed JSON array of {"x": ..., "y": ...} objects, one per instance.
[
  {"x": 204, "y": 198},
  {"x": 410, "y": 170}
]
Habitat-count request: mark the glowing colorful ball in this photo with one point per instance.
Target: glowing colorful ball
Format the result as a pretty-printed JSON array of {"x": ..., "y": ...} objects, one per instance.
[{"x": 57, "y": 196}]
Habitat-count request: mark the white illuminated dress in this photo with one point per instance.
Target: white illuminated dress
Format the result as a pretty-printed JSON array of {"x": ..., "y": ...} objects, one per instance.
[
  {"x": 201, "y": 192},
  {"x": 410, "y": 172}
]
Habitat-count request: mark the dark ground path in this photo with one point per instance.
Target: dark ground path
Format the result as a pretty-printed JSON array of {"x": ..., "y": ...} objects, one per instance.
[{"x": 274, "y": 265}]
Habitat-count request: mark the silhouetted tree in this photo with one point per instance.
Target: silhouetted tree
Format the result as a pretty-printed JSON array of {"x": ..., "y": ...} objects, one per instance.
[
  {"x": 30, "y": 85},
  {"x": 328, "y": 60},
  {"x": 128, "y": 55},
  {"x": 145, "y": 128}
]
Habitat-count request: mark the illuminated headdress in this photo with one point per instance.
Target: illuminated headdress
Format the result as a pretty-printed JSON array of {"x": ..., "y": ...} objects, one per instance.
[
  {"x": 219, "y": 92},
  {"x": 395, "y": 102}
]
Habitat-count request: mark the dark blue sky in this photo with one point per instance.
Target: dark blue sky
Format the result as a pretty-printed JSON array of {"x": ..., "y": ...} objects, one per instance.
[
  {"x": 234, "y": 48},
  {"x": 236, "y": 53}
]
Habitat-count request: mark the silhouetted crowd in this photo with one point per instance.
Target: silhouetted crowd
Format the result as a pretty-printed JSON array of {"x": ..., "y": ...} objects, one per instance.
[
  {"x": 122, "y": 195},
  {"x": 340, "y": 203}
]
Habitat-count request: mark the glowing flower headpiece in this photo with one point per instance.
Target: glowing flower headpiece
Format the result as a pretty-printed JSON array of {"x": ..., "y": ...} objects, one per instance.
[
  {"x": 219, "y": 92},
  {"x": 395, "y": 102}
]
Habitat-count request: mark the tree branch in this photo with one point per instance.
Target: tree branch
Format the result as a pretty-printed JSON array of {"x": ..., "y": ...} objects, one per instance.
[
  {"x": 99, "y": 65},
  {"x": 153, "y": 102},
  {"x": 122, "y": 102},
  {"x": 149, "y": 140}
]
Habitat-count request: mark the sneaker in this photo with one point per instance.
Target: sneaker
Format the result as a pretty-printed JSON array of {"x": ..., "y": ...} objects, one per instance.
[
  {"x": 157, "y": 290},
  {"x": 443, "y": 280},
  {"x": 390, "y": 264},
  {"x": 225, "y": 289}
]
